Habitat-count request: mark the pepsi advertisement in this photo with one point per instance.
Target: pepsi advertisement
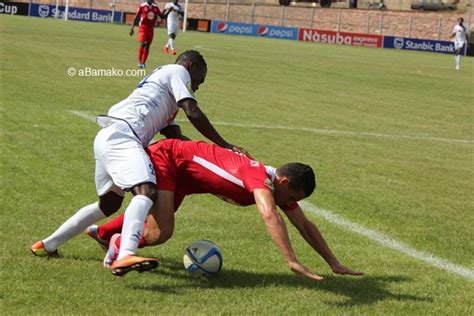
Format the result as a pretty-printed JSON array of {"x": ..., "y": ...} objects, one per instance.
[
  {"x": 444, "y": 47},
  {"x": 78, "y": 14},
  {"x": 270, "y": 31}
]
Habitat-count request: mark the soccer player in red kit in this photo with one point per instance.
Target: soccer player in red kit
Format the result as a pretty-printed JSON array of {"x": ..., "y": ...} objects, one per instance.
[
  {"x": 146, "y": 17},
  {"x": 192, "y": 167}
]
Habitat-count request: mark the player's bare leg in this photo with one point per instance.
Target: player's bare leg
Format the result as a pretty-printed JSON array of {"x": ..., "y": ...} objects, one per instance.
[{"x": 160, "y": 221}]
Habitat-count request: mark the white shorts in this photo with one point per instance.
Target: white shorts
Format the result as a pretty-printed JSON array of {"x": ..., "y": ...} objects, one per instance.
[
  {"x": 458, "y": 44},
  {"x": 120, "y": 160},
  {"x": 173, "y": 29}
]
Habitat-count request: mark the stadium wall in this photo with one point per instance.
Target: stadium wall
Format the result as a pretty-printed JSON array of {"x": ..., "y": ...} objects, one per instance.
[
  {"x": 267, "y": 27},
  {"x": 426, "y": 25}
]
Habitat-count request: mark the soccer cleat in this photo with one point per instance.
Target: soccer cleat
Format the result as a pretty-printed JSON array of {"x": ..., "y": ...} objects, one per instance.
[
  {"x": 92, "y": 232},
  {"x": 38, "y": 250},
  {"x": 173, "y": 51},
  {"x": 133, "y": 263},
  {"x": 165, "y": 49},
  {"x": 112, "y": 252},
  {"x": 457, "y": 67},
  {"x": 141, "y": 66}
]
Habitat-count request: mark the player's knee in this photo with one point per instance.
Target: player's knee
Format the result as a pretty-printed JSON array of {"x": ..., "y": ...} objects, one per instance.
[
  {"x": 173, "y": 36},
  {"x": 147, "y": 189},
  {"x": 158, "y": 236},
  {"x": 110, "y": 203}
]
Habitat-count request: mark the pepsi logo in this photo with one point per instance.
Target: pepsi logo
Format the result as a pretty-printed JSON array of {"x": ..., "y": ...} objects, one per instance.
[
  {"x": 262, "y": 30},
  {"x": 222, "y": 27}
]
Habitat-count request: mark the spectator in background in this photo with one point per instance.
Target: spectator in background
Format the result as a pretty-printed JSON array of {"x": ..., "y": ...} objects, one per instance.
[
  {"x": 146, "y": 17},
  {"x": 460, "y": 39},
  {"x": 172, "y": 12}
]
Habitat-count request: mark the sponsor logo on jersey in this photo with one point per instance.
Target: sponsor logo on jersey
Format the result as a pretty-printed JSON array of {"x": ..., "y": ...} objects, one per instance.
[
  {"x": 262, "y": 30},
  {"x": 269, "y": 184},
  {"x": 150, "y": 15},
  {"x": 222, "y": 27}
]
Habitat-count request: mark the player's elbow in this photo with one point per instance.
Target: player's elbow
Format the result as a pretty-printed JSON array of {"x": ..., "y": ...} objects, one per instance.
[{"x": 269, "y": 216}]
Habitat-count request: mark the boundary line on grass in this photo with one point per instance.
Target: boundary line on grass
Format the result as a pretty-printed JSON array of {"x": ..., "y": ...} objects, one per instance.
[
  {"x": 373, "y": 235},
  {"x": 389, "y": 242},
  {"x": 317, "y": 131}
]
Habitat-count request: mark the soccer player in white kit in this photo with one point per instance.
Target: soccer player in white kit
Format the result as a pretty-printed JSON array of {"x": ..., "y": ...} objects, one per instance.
[
  {"x": 173, "y": 10},
  {"x": 122, "y": 163},
  {"x": 460, "y": 39}
]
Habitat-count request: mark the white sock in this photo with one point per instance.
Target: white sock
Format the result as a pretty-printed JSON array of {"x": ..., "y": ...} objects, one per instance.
[
  {"x": 133, "y": 222},
  {"x": 458, "y": 60},
  {"x": 75, "y": 225},
  {"x": 171, "y": 43}
]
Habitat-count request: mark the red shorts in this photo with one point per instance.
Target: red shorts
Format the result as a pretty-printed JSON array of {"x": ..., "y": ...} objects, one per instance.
[{"x": 145, "y": 35}]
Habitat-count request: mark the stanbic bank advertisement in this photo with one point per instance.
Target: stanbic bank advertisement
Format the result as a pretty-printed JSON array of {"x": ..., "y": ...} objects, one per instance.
[{"x": 444, "y": 47}]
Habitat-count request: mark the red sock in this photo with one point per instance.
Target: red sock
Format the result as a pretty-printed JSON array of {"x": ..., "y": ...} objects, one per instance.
[
  {"x": 140, "y": 54},
  {"x": 145, "y": 54},
  {"x": 114, "y": 226},
  {"x": 141, "y": 243}
]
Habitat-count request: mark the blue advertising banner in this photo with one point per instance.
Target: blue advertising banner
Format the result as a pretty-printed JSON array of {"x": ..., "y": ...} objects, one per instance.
[
  {"x": 79, "y": 14},
  {"x": 269, "y": 31},
  {"x": 444, "y": 47}
]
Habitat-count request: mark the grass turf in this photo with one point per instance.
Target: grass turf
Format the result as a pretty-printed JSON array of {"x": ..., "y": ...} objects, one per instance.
[{"x": 384, "y": 130}]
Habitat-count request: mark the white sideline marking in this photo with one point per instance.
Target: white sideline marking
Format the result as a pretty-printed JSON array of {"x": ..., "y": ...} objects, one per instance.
[
  {"x": 343, "y": 133},
  {"x": 85, "y": 115},
  {"x": 380, "y": 238},
  {"x": 317, "y": 131},
  {"x": 389, "y": 242}
]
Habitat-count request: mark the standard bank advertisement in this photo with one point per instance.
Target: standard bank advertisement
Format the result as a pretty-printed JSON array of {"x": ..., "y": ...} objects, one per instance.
[
  {"x": 80, "y": 14},
  {"x": 270, "y": 31},
  {"x": 444, "y": 47}
]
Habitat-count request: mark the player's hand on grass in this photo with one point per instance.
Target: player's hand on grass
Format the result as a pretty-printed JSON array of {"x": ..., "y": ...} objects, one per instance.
[
  {"x": 340, "y": 269},
  {"x": 301, "y": 270},
  {"x": 131, "y": 32}
]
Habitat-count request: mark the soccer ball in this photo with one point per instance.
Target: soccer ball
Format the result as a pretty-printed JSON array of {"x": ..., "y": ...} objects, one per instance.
[{"x": 203, "y": 257}]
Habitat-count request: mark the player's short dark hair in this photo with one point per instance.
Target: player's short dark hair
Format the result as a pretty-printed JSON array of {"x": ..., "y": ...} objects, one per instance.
[
  {"x": 300, "y": 176},
  {"x": 191, "y": 55}
]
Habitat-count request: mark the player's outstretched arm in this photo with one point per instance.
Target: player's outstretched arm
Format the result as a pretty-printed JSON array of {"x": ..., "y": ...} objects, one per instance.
[
  {"x": 204, "y": 126},
  {"x": 277, "y": 229},
  {"x": 315, "y": 239}
]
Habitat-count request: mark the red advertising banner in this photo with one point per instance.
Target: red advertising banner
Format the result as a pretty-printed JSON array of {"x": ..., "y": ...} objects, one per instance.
[{"x": 331, "y": 37}]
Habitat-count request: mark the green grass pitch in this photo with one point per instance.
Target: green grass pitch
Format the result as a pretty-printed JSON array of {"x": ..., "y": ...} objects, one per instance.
[{"x": 389, "y": 133}]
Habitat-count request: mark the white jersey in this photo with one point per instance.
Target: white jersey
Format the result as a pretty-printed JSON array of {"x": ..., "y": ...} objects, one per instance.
[
  {"x": 153, "y": 104},
  {"x": 173, "y": 17},
  {"x": 459, "y": 33}
]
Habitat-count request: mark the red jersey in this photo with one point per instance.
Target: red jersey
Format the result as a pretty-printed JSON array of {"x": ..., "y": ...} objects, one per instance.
[
  {"x": 190, "y": 167},
  {"x": 148, "y": 15}
]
